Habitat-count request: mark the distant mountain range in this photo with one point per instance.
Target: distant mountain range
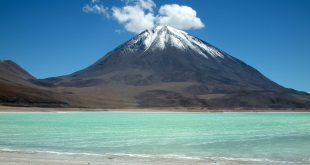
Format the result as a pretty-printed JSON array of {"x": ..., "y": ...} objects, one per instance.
[
  {"x": 163, "y": 67},
  {"x": 17, "y": 88}
]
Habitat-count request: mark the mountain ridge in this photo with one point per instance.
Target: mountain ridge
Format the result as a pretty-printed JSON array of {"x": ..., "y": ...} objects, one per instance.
[
  {"x": 166, "y": 67},
  {"x": 17, "y": 88},
  {"x": 10, "y": 71}
]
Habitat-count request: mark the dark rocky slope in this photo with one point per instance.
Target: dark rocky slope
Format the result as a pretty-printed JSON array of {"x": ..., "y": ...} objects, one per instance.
[
  {"x": 166, "y": 67},
  {"x": 17, "y": 88}
]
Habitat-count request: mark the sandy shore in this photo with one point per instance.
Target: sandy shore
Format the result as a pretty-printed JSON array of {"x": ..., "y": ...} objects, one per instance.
[
  {"x": 169, "y": 109},
  {"x": 18, "y": 158}
]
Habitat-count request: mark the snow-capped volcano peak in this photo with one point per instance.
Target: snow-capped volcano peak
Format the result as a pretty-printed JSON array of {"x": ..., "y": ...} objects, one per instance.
[{"x": 162, "y": 37}]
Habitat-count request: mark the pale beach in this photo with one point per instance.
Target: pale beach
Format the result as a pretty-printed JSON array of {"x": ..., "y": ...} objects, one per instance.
[{"x": 19, "y": 158}]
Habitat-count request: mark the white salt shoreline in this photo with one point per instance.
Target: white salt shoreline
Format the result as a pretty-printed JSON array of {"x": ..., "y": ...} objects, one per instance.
[
  {"x": 167, "y": 109},
  {"x": 50, "y": 158}
]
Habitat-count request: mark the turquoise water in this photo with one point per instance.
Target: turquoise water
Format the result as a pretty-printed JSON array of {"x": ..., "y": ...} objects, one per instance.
[{"x": 281, "y": 137}]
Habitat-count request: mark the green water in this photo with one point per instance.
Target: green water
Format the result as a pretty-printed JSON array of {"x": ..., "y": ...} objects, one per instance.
[{"x": 281, "y": 137}]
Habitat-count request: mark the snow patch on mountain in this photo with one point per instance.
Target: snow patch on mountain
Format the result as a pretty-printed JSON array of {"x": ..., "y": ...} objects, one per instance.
[{"x": 165, "y": 36}]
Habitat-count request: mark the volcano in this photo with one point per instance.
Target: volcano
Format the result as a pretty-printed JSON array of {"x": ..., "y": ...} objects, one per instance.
[
  {"x": 167, "y": 67},
  {"x": 166, "y": 55}
]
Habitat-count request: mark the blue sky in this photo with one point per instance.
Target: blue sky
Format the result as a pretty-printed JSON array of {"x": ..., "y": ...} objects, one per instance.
[{"x": 53, "y": 38}]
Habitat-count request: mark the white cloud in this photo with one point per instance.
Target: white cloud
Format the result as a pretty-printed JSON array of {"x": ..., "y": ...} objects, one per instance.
[
  {"x": 135, "y": 18},
  {"x": 146, "y": 4},
  {"x": 95, "y": 6},
  {"x": 138, "y": 15},
  {"x": 181, "y": 17}
]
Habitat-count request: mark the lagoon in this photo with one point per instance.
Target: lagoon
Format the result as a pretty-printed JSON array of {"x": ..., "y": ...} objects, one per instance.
[{"x": 262, "y": 137}]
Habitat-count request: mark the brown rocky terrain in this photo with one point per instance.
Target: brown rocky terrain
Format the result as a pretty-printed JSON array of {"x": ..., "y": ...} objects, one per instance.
[{"x": 163, "y": 67}]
